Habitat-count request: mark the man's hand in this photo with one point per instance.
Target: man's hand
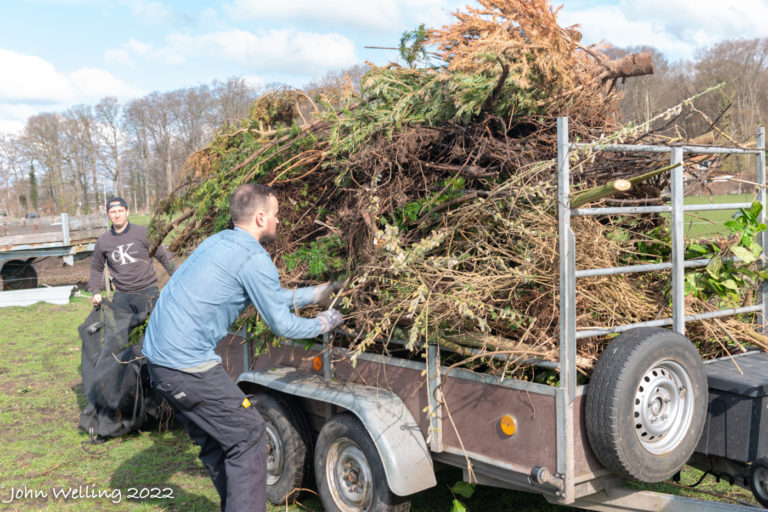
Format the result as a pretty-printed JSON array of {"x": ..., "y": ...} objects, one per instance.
[
  {"x": 96, "y": 300},
  {"x": 324, "y": 293},
  {"x": 330, "y": 320}
]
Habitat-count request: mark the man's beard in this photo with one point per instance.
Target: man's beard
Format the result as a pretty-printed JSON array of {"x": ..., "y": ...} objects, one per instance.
[{"x": 267, "y": 239}]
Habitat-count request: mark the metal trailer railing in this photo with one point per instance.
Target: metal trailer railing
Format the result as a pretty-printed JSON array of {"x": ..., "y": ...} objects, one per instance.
[
  {"x": 569, "y": 334},
  {"x": 66, "y": 248},
  {"x": 598, "y": 490}
]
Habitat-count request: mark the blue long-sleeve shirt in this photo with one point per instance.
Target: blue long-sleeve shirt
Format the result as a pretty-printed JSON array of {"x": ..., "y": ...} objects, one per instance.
[{"x": 207, "y": 293}]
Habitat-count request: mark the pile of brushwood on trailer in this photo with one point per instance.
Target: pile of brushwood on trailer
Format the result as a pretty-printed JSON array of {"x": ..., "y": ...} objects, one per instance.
[{"x": 433, "y": 191}]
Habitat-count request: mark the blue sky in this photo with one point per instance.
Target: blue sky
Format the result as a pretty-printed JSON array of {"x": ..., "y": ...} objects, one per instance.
[{"x": 58, "y": 53}]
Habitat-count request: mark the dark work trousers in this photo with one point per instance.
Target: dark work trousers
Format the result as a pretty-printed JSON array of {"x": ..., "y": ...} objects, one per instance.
[
  {"x": 229, "y": 432},
  {"x": 140, "y": 303}
]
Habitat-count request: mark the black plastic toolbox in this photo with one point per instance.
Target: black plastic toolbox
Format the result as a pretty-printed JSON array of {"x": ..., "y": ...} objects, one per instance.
[{"x": 738, "y": 408}]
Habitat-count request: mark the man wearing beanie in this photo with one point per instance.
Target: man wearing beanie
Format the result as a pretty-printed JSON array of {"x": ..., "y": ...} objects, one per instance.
[{"x": 125, "y": 250}]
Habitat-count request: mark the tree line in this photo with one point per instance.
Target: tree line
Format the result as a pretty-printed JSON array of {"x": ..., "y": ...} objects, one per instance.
[{"x": 71, "y": 161}]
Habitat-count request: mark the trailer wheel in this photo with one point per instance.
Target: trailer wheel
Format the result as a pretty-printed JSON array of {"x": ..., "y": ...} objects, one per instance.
[
  {"x": 18, "y": 275},
  {"x": 758, "y": 480},
  {"x": 646, "y": 404},
  {"x": 350, "y": 476},
  {"x": 288, "y": 448}
]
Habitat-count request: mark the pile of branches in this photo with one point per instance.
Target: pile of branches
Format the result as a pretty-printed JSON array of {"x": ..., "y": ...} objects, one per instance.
[{"x": 432, "y": 191}]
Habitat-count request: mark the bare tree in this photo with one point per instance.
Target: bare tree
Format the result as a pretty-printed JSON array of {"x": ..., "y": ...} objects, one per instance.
[
  {"x": 108, "y": 114},
  {"x": 137, "y": 119},
  {"x": 194, "y": 117},
  {"x": 162, "y": 129},
  {"x": 9, "y": 161},
  {"x": 43, "y": 142},
  {"x": 232, "y": 100}
]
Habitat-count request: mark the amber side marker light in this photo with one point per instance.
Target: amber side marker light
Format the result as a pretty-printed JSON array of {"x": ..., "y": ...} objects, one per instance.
[
  {"x": 317, "y": 362},
  {"x": 508, "y": 424}
]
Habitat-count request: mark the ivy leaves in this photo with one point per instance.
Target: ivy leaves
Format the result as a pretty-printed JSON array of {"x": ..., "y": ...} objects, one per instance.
[{"x": 725, "y": 276}]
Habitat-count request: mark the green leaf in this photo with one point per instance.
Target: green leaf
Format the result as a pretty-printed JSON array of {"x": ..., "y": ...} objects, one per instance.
[
  {"x": 742, "y": 253},
  {"x": 713, "y": 269},
  {"x": 755, "y": 209},
  {"x": 730, "y": 284},
  {"x": 463, "y": 489},
  {"x": 698, "y": 248},
  {"x": 733, "y": 225},
  {"x": 458, "y": 507}
]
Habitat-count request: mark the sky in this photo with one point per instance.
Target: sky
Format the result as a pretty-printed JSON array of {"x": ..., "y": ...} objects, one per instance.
[{"x": 55, "y": 54}]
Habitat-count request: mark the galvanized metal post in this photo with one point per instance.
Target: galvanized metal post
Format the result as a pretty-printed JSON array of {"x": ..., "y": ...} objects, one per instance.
[
  {"x": 327, "y": 356},
  {"x": 567, "y": 390},
  {"x": 678, "y": 243},
  {"x": 65, "y": 238},
  {"x": 761, "y": 194},
  {"x": 435, "y": 398}
]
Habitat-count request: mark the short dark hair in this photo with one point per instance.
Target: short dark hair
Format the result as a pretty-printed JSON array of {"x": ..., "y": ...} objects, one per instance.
[{"x": 248, "y": 198}]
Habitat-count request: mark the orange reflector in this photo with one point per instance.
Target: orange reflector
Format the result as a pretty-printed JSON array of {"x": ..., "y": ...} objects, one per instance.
[
  {"x": 317, "y": 363},
  {"x": 508, "y": 424}
]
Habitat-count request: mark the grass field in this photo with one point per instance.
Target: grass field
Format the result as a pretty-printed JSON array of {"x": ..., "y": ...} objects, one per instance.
[
  {"x": 40, "y": 402},
  {"x": 710, "y": 223}
]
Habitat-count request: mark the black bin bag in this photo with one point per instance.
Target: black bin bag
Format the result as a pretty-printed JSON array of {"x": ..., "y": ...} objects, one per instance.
[{"x": 116, "y": 386}]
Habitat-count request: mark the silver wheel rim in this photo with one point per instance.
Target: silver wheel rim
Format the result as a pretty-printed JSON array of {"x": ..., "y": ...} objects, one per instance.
[
  {"x": 663, "y": 408},
  {"x": 760, "y": 482},
  {"x": 275, "y": 455},
  {"x": 349, "y": 476}
]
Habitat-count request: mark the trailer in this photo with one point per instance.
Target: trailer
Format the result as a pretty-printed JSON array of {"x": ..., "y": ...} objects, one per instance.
[
  {"x": 24, "y": 241},
  {"x": 371, "y": 432}
]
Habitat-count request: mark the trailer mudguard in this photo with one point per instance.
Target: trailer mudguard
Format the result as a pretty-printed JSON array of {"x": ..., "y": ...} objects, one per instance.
[{"x": 403, "y": 451}]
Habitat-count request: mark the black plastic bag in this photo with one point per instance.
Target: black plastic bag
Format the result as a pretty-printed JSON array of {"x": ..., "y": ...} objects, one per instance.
[{"x": 115, "y": 378}]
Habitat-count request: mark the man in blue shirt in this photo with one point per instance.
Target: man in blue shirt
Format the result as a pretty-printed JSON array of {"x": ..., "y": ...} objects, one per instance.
[{"x": 207, "y": 293}]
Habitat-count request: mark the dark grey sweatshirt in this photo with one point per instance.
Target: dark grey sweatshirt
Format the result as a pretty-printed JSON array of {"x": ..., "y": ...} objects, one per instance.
[{"x": 127, "y": 256}]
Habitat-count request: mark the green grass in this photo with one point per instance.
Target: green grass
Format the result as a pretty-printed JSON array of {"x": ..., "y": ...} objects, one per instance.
[
  {"x": 40, "y": 402},
  {"x": 142, "y": 219},
  {"x": 708, "y": 224}
]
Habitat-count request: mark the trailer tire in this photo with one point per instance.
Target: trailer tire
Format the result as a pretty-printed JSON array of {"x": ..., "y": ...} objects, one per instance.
[
  {"x": 646, "y": 404},
  {"x": 18, "y": 275},
  {"x": 349, "y": 473},
  {"x": 758, "y": 480},
  {"x": 288, "y": 448}
]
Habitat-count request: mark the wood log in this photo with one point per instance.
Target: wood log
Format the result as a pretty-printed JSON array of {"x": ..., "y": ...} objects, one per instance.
[
  {"x": 635, "y": 64},
  {"x": 612, "y": 187}
]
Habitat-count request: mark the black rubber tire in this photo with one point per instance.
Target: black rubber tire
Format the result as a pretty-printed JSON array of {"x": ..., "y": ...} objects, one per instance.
[
  {"x": 18, "y": 275},
  {"x": 646, "y": 404},
  {"x": 758, "y": 480},
  {"x": 288, "y": 448},
  {"x": 345, "y": 432}
]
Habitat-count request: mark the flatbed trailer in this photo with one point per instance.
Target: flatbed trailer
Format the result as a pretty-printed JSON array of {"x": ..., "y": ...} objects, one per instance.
[
  {"x": 371, "y": 432},
  {"x": 24, "y": 241}
]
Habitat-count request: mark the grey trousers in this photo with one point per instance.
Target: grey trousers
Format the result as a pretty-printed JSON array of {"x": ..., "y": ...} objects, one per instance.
[
  {"x": 139, "y": 303},
  {"x": 229, "y": 432}
]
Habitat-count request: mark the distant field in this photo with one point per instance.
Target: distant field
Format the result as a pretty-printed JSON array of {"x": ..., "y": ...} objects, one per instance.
[{"x": 710, "y": 223}]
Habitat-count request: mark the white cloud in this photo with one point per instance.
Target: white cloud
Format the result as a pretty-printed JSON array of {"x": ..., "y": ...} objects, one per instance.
[
  {"x": 151, "y": 11},
  {"x": 26, "y": 78},
  {"x": 29, "y": 84},
  {"x": 91, "y": 85},
  {"x": 274, "y": 51},
  {"x": 123, "y": 56},
  {"x": 363, "y": 15},
  {"x": 358, "y": 15},
  {"x": 13, "y": 117},
  {"x": 677, "y": 28}
]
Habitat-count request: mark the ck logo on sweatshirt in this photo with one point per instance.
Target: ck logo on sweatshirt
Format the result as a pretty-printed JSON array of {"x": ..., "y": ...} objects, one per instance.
[{"x": 121, "y": 254}]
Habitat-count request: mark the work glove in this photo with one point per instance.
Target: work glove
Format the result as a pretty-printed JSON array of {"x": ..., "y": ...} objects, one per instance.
[
  {"x": 329, "y": 320},
  {"x": 324, "y": 293}
]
